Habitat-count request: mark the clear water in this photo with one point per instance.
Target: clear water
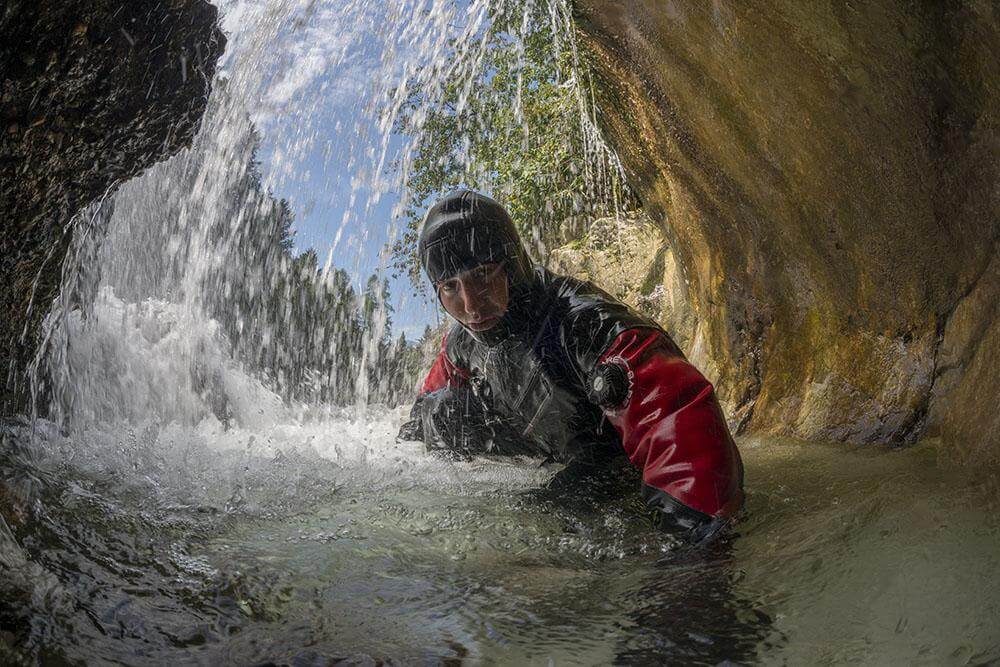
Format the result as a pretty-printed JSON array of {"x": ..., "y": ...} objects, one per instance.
[{"x": 341, "y": 544}]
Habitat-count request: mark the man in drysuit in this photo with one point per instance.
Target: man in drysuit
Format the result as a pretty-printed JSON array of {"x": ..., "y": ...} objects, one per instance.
[{"x": 548, "y": 365}]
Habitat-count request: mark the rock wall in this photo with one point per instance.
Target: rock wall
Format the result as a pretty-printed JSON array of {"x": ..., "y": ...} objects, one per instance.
[
  {"x": 630, "y": 259},
  {"x": 92, "y": 93},
  {"x": 826, "y": 176},
  {"x": 622, "y": 256}
]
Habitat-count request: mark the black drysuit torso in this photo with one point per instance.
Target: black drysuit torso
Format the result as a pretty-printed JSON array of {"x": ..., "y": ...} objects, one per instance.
[{"x": 530, "y": 389}]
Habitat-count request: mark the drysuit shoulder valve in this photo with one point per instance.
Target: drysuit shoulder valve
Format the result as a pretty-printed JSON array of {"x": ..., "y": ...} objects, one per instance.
[{"x": 608, "y": 385}]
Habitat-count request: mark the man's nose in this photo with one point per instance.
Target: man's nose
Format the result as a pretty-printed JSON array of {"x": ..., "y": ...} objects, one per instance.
[{"x": 472, "y": 299}]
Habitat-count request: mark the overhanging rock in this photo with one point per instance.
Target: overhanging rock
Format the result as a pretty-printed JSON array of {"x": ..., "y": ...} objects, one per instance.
[
  {"x": 826, "y": 176},
  {"x": 93, "y": 92}
]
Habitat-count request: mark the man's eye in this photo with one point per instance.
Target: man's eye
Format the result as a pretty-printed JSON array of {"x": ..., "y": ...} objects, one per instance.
[{"x": 447, "y": 288}]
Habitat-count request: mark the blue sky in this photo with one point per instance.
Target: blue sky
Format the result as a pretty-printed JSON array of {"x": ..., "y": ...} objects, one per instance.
[
  {"x": 315, "y": 67},
  {"x": 320, "y": 199}
]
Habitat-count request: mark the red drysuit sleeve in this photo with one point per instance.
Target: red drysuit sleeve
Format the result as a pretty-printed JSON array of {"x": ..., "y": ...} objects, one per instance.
[
  {"x": 672, "y": 427},
  {"x": 443, "y": 373}
]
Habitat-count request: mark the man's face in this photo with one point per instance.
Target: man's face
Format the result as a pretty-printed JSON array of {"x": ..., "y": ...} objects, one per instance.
[{"x": 477, "y": 298}]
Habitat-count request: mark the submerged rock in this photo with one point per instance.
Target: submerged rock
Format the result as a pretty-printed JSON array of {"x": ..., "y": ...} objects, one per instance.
[
  {"x": 826, "y": 178},
  {"x": 92, "y": 94}
]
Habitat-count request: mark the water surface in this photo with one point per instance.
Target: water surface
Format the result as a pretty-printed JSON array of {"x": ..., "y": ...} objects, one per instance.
[{"x": 329, "y": 542}]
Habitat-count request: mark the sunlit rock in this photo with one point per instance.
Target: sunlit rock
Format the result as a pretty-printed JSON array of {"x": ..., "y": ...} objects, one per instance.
[{"x": 613, "y": 254}]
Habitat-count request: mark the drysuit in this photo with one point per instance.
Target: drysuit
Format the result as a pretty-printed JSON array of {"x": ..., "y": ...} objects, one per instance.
[{"x": 568, "y": 373}]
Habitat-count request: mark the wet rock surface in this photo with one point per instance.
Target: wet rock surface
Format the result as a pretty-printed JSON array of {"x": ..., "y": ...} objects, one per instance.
[
  {"x": 92, "y": 93},
  {"x": 826, "y": 178},
  {"x": 612, "y": 254},
  {"x": 630, "y": 259}
]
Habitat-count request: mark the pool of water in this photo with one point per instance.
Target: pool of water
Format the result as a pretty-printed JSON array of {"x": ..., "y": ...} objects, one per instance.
[{"x": 313, "y": 545}]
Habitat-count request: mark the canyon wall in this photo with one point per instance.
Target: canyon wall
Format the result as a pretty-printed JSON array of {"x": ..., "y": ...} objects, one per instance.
[
  {"x": 826, "y": 176},
  {"x": 92, "y": 94}
]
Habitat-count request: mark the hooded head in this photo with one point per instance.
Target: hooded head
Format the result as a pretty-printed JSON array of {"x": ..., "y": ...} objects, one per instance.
[{"x": 464, "y": 230}]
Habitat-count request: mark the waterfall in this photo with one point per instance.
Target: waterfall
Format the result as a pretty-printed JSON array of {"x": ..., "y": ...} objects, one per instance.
[{"x": 185, "y": 299}]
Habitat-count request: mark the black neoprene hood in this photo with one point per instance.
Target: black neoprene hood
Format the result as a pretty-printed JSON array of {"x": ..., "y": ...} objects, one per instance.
[{"x": 465, "y": 229}]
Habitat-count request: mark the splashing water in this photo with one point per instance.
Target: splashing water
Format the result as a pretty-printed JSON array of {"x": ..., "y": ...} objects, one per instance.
[
  {"x": 185, "y": 315},
  {"x": 202, "y": 237}
]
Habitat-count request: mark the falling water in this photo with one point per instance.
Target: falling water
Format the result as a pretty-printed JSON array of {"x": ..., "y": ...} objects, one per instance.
[
  {"x": 182, "y": 300},
  {"x": 213, "y": 475}
]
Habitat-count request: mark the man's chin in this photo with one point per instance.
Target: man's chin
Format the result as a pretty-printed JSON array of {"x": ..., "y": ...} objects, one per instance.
[{"x": 484, "y": 324}]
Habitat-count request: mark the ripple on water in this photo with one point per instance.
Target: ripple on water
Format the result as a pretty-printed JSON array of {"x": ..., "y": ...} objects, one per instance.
[{"x": 860, "y": 554}]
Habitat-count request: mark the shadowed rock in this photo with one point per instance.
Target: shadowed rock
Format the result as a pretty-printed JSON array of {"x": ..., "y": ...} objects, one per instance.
[
  {"x": 826, "y": 177},
  {"x": 92, "y": 94}
]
